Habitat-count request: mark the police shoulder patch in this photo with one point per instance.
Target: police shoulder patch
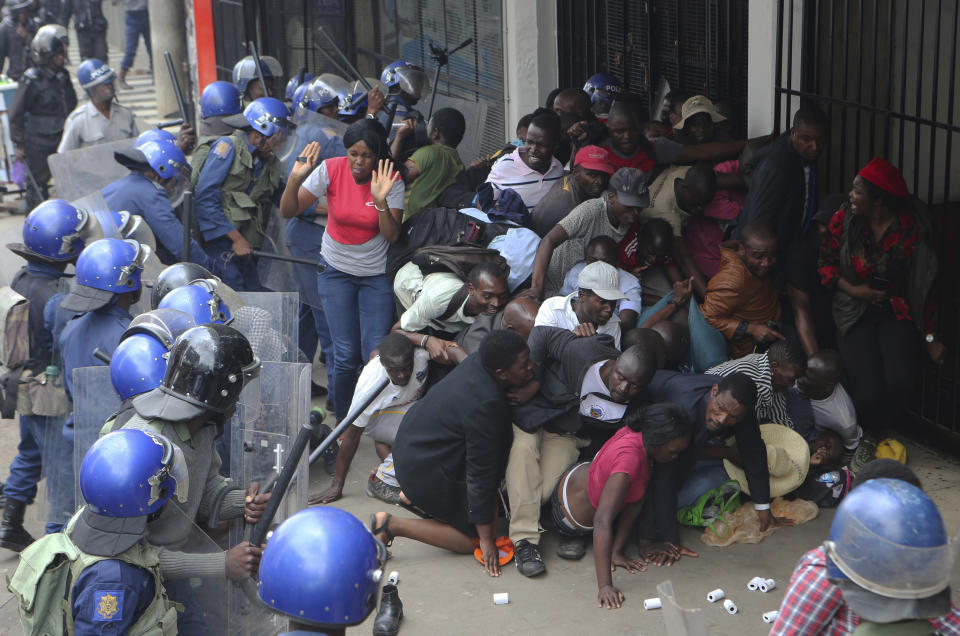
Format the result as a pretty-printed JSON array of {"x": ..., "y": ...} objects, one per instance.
[
  {"x": 107, "y": 605},
  {"x": 222, "y": 149}
]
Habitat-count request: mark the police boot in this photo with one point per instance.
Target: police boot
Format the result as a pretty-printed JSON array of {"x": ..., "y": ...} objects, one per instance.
[
  {"x": 13, "y": 536},
  {"x": 387, "y": 620}
]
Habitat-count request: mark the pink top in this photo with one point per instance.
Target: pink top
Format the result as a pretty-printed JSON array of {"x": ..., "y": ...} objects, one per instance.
[
  {"x": 623, "y": 453},
  {"x": 704, "y": 233},
  {"x": 352, "y": 217}
]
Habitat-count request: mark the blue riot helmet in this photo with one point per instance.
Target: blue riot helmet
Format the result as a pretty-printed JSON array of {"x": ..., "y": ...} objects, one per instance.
[
  {"x": 155, "y": 134},
  {"x": 321, "y": 566},
  {"x": 220, "y": 98},
  {"x": 132, "y": 473},
  {"x": 106, "y": 268},
  {"x": 407, "y": 78},
  {"x": 245, "y": 71},
  {"x": 207, "y": 369},
  {"x": 132, "y": 226},
  {"x": 93, "y": 72},
  {"x": 139, "y": 362},
  {"x": 271, "y": 118},
  {"x": 294, "y": 83},
  {"x": 169, "y": 162},
  {"x": 200, "y": 300},
  {"x": 352, "y": 105},
  {"x": 603, "y": 88},
  {"x": 176, "y": 275},
  {"x": 889, "y": 552},
  {"x": 318, "y": 94},
  {"x": 52, "y": 232}
]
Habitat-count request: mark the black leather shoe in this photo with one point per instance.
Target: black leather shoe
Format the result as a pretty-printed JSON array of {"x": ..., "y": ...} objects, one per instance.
[
  {"x": 387, "y": 620},
  {"x": 13, "y": 536}
]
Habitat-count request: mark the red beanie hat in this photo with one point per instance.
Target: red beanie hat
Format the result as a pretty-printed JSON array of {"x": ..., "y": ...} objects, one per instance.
[{"x": 885, "y": 176}]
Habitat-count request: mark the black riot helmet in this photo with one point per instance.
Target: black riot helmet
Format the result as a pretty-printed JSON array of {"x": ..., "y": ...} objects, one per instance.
[
  {"x": 174, "y": 276},
  {"x": 49, "y": 40},
  {"x": 208, "y": 367}
]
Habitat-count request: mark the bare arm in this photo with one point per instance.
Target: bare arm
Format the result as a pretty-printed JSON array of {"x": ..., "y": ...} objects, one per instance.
[
  {"x": 381, "y": 182},
  {"x": 684, "y": 256},
  {"x": 711, "y": 151},
  {"x": 295, "y": 198},
  {"x": 555, "y": 237},
  {"x": 604, "y": 554},
  {"x": 804, "y": 318}
]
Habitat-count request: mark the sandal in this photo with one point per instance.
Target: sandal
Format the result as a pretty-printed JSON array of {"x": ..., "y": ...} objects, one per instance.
[{"x": 384, "y": 528}]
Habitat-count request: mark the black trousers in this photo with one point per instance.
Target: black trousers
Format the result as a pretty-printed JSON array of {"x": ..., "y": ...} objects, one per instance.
[
  {"x": 37, "y": 164},
  {"x": 882, "y": 359},
  {"x": 92, "y": 44}
]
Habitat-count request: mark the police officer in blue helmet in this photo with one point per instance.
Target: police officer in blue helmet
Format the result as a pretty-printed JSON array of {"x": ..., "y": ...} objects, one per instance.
[
  {"x": 247, "y": 80},
  {"x": 201, "y": 301},
  {"x": 159, "y": 175},
  {"x": 235, "y": 184},
  {"x": 408, "y": 84},
  {"x": 296, "y": 82},
  {"x": 51, "y": 241},
  {"x": 101, "y": 575},
  {"x": 100, "y": 119},
  {"x": 602, "y": 88},
  {"x": 321, "y": 567},
  {"x": 218, "y": 100}
]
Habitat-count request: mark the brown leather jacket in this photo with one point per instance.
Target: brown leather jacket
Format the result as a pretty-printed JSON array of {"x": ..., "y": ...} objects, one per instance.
[{"x": 735, "y": 295}]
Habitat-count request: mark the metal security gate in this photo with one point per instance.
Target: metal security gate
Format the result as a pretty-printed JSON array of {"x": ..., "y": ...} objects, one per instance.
[
  {"x": 698, "y": 46},
  {"x": 233, "y": 22},
  {"x": 885, "y": 72}
]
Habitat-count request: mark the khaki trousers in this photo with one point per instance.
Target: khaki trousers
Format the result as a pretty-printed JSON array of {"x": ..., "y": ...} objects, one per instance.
[{"x": 535, "y": 465}]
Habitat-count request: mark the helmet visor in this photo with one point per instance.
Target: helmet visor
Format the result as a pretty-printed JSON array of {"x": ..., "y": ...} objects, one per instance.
[
  {"x": 130, "y": 271},
  {"x": 177, "y": 185},
  {"x": 282, "y": 143},
  {"x": 413, "y": 81},
  {"x": 180, "y": 475}
]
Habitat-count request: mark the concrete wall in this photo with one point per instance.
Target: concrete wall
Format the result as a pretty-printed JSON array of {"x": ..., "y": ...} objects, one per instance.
[{"x": 529, "y": 57}]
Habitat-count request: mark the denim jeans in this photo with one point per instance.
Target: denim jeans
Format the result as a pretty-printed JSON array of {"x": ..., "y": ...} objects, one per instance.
[
  {"x": 26, "y": 467},
  {"x": 42, "y": 449},
  {"x": 137, "y": 24},
  {"x": 705, "y": 475},
  {"x": 360, "y": 312}
]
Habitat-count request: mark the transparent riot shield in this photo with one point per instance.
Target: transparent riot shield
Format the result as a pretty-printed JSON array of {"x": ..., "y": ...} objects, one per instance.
[
  {"x": 151, "y": 269},
  {"x": 94, "y": 401},
  {"x": 269, "y": 320},
  {"x": 276, "y": 274},
  {"x": 77, "y": 173},
  {"x": 260, "y": 448},
  {"x": 56, "y": 499},
  {"x": 101, "y": 223}
]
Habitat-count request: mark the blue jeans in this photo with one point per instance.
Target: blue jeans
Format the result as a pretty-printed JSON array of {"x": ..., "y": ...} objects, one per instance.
[
  {"x": 360, "y": 311},
  {"x": 26, "y": 467},
  {"x": 41, "y": 445},
  {"x": 239, "y": 273},
  {"x": 137, "y": 24},
  {"x": 705, "y": 475}
]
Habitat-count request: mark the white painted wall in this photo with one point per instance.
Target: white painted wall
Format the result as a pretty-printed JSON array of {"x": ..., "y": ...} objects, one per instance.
[
  {"x": 761, "y": 66},
  {"x": 529, "y": 57}
]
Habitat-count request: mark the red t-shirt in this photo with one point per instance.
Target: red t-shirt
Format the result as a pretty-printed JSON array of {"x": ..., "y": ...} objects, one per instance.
[
  {"x": 623, "y": 453},
  {"x": 351, "y": 216},
  {"x": 640, "y": 159}
]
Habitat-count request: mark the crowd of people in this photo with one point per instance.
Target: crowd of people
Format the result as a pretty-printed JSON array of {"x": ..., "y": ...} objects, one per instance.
[{"x": 589, "y": 329}]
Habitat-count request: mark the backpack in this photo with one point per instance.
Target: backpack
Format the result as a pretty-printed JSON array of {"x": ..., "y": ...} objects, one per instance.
[{"x": 14, "y": 347}]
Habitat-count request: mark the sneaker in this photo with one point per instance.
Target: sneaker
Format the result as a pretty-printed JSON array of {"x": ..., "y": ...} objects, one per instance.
[
  {"x": 866, "y": 452},
  {"x": 379, "y": 489},
  {"x": 572, "y": 548},
  {"x": 528, "y": 558}
]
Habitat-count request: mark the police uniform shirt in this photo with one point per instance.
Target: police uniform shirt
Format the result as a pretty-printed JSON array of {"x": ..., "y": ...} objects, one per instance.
[
  {"x": 81, "y": 336},
  {"x": 109, "y": 597},
  {"x": 208, "y": 205},
  {"x": 86, "y": 126}
]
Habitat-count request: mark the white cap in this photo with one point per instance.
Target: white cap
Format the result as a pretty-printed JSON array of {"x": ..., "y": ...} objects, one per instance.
[{"x": 602, "y": 279}]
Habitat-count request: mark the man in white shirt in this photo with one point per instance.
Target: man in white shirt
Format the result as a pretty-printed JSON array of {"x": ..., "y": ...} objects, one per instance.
[
  {"x": 406, "y": 368},
  {"x": 832, "y": 407},
  {"x": 100, "y": 119},
  {"x": 530, "y": 170},
  {"x": 590, "y": 309},
  {"x": 603, "y": 248}
]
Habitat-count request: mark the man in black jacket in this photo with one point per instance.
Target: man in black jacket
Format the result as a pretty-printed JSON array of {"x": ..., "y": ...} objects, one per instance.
[
  {"x": 451, "y": 450},
  {"x": 16, "y": 31},
  {"x": 719, "y": 408},
  {"x": 90, "y": 25},
  {"x": 585, "y": 387}
]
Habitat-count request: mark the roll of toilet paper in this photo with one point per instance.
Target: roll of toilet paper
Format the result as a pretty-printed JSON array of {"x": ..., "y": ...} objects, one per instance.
[
  {"x": 651, "y": 604},
  {"x": 766, "y": 585},
  {"x": 754, "y": 584},
  {"x": 730, "y": 606},
  {"x": 715, "y": 595},
  {"x": 769, "y": 617},
  {"x": 501, "y": 599}
]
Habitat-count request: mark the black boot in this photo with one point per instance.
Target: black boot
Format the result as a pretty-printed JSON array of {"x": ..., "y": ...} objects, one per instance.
[
  {"x": 13, "y": 536},
  {"x": 387, "y": 621}
]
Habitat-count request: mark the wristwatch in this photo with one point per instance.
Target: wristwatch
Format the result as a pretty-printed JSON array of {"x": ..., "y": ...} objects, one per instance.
[{"x": 930, "y": 338}]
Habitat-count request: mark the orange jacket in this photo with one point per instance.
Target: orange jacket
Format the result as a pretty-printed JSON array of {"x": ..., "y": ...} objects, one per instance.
[{"x": 735, "y": 295}]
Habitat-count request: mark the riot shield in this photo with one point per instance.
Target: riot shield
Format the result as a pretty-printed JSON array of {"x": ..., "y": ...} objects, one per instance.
[
  {"x": 260, "y": 448},
  {"x": 94, "y": 401},
  {"x": 269, "y": 320},
  {"x": 77, "y": 173},
  {"x": 101, "y": 223},
  {"x": 57, "y": 499},
  {"x": 275, "y": 274}
]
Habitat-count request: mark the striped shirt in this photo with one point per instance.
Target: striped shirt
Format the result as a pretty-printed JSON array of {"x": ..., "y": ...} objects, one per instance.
[
  {"x": 511, "y": 172},
  {"x": 771, "y": 405}
]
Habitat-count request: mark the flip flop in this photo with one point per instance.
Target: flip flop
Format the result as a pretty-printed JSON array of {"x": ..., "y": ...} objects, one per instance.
[
  {"x": 504, "y": 549},
  {"x": 383, "y": 528}
]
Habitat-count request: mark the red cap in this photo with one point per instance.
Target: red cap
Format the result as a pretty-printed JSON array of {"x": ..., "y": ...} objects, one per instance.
[
  {"x": 594, "y": 158},
  {"x": 885, "y": 176}
]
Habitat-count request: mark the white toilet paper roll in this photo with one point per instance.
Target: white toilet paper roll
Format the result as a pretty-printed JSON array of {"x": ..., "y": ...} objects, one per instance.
[
  {"x": 766, "y": 585},
  {"x": 754, "y": 583},
  {"x": 501, "y": 599},
  {"x": 651, "y": 604},
  {"x": 715, "y": 595},
  {"x": 730, "y": 606},
  {"x": 769, "y": 617}
]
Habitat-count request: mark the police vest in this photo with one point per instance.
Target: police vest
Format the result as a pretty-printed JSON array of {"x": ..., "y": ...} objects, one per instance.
[
  {"x": 44, "y": 581},
  {"x": 247, "y": 211}
]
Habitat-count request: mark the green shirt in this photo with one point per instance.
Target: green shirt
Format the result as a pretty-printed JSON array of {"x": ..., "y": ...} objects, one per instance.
[{"x": 439, "y": 166}]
